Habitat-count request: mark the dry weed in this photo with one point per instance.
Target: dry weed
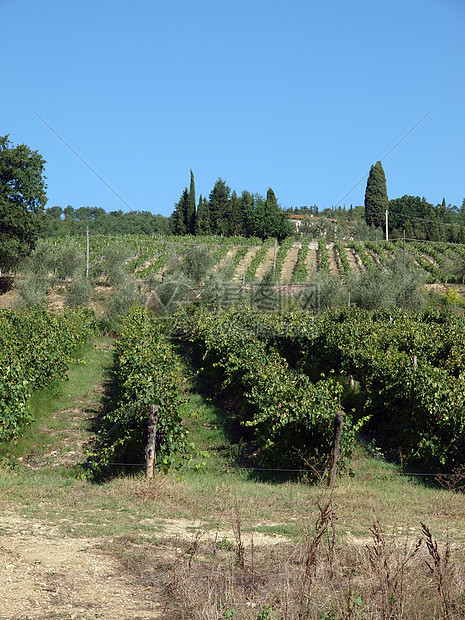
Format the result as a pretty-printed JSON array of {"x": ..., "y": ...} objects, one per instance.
[{"x": 321, "y": 578}]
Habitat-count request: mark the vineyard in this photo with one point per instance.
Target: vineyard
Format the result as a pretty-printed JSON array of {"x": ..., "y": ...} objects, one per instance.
[
  {"x": 248, "y": 260},
  {"x": 283, "y": 377},
  {"x": 247, "y": 392},
  {"x": 35, "y": 349}
]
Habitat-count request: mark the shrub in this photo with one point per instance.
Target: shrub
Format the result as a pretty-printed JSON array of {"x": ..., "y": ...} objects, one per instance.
[
  {"x": 323, "y": 291},
  {"x": 113, "y": 266},
  {"x": 32, "y": 291},
  {"x": 122, "y": 300},
  {"x": 68, "y": 259},
  {"x": 79, "y": 292}
]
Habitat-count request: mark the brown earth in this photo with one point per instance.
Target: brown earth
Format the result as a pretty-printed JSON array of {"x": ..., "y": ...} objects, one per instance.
[
  {"x": 244, "y": 263},
  {"x": 265, "y": 265},
  {"x": 354, "y": 260},
  {"x": 227, "y": 259},
  {"x": 333, "y": 265},
  {"x": 289, "y": 264},
  {"x": 311, "y": 261},
  {"x": 47, "y": 575}
]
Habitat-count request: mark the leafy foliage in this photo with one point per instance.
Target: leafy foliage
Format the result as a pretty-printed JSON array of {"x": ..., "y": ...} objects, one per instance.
[
  {"x": 290, "y": 416},
  {"x": 376, "y": 198},
  {"x": 147, "y": 372},
  {"x": 411, "y": 371},
  {"x": 35, "y": 348},
  {"x": 22, "y": 199}
]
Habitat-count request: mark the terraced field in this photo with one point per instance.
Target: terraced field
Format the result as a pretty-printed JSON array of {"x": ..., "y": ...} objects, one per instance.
[{"x": 294, "y": 261}]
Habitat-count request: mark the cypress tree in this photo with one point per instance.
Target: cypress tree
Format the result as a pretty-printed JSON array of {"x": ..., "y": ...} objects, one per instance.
[
  {"x": 191, "y": 207},
  {"x": 179, "y": 216},
  {"x": 220, "y": 208},
  {"x": 247, "y": 209},
  {"x": 275, "y": 222},
  {"x": 443, "y": 208},
  {"x": 376, "y": 198},
  {"x": 202, "y": 219},
  {"x": 235, "y": 224}
]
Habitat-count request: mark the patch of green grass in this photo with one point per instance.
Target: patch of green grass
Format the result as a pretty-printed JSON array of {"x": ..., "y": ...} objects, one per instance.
[
  {"x": 53, "y": 409},
  {"x": 215, "y": 434}
]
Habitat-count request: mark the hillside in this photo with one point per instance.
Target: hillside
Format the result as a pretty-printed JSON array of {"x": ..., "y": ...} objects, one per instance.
[{"x": 147, "y": 256}]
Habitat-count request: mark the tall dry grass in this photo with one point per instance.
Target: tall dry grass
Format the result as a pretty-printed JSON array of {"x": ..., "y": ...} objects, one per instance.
[{"x": 322, "y": 577}]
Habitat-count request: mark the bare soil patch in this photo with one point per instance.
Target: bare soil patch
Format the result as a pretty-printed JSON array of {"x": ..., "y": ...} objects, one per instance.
[
  {"x": 265, "y": 265},
  {"x": 244, "y": 263},
  {"x": 289, "y": 264},
  {"x": 354, "y": 259},
  {"x": 333, "y": 265},
  {"x": 48, "y": 576},
  {"x": 226, "y": 259}
]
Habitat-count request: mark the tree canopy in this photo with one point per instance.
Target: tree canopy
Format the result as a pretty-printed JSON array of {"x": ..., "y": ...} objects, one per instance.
[
  {"x": 70, "y": 221},
  {"x": 225, "y": 213},
  {"x": 376, "y": 197},
  {"x": 22, "y": 201}
]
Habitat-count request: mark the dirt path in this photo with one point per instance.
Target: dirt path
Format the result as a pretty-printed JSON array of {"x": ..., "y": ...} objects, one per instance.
[
  {"x": 289, "y": 264},
  {"x": 47, "y": 576},
  {"x": 333, "y": 265},
  {"x": 54, "y": 568},
  {"x": 350, "y": 257},
  {"x": 226, "y": 259},
  {"x": 355, "y": 260},
  {"x": 244, "y": 263},
  {"x": 265, "y": 265}
]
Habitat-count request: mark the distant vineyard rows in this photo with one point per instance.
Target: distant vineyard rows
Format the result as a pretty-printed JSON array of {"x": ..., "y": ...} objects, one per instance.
[{"x": 293, "y": 262}]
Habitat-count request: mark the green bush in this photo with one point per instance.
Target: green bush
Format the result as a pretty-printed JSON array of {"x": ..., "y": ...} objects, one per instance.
[
  {"x": 122, "y": 300},
  {"x": 68, "y": 259},
  {"x": 79, "y": 292},
  {"x": 32, "y": 291}
]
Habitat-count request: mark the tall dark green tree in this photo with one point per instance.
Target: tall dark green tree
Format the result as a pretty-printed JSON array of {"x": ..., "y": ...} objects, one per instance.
[
  {"x": 235, "y": 220},
  {"x": 248, "y": 219},
  {"x": 416, "y": 216},
  {"x": 191, "y": 207},
  {"x": 202, "y": 219},
  {"x": 276, "y": 223},
  {"x": 22, "y": 201},
  {"x": 179, "y": 222},
  {"x": 376, "y": 197},
  {"x": 220, "y": 208}
]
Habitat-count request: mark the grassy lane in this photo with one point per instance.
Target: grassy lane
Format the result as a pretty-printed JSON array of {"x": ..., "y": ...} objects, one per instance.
[{"x": 63, "y": 414}]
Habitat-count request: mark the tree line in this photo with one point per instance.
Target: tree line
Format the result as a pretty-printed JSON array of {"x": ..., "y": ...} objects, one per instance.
[
  {"x": 58, "y": 222},
  {"x": 227, "y": 214}
]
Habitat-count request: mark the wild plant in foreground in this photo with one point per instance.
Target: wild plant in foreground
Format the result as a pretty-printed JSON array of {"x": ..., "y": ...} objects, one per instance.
[
  {"x": 439, "y": 569},
  {"x": 389, "y": 572}
]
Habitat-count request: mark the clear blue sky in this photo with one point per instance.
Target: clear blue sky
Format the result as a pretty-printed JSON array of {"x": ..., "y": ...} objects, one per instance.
[{"x": 302, "y": 96}]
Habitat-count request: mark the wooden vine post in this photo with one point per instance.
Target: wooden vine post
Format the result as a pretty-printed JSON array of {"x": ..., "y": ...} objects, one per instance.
[
  {"x": 150, "y": 452},
  {"x": 335, "y": 449}
]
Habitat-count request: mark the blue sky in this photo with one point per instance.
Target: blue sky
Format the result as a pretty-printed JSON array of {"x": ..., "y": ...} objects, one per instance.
[{"x": 301, "y": 96}]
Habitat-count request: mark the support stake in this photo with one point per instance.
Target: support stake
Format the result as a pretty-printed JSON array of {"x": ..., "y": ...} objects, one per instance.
[
  {"x": 150, "y": 453},
  {"x": 335, "y": 449}
]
